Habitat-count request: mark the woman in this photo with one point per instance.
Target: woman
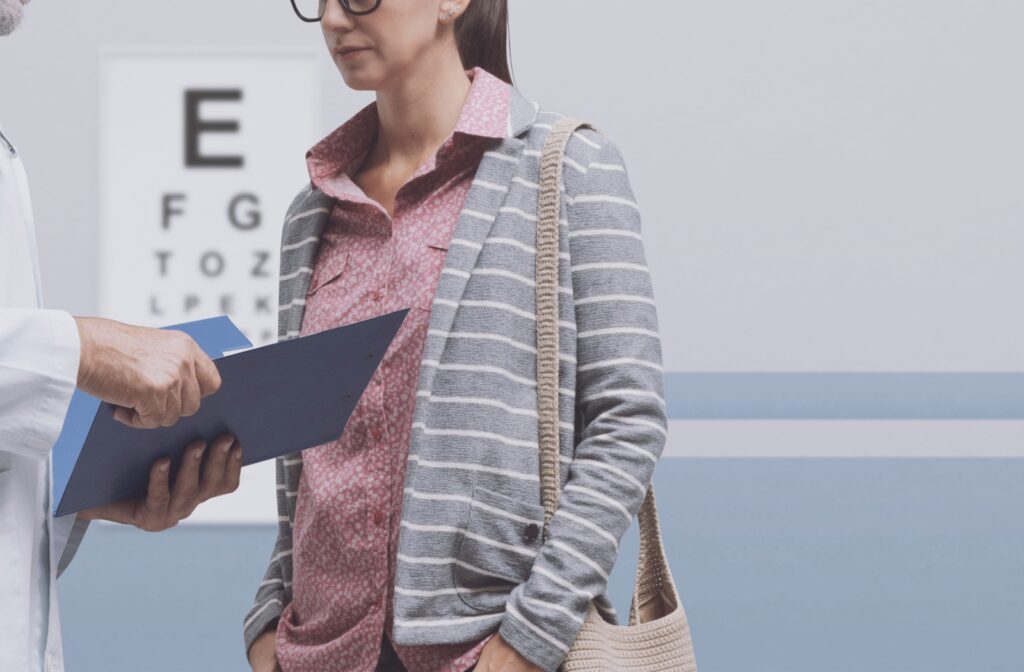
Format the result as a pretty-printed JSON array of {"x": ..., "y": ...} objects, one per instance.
[{"x": 414, "y": 541}]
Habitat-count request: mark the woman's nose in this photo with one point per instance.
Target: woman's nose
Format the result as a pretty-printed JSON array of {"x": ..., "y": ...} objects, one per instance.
[{"x": 336, "y": 18}]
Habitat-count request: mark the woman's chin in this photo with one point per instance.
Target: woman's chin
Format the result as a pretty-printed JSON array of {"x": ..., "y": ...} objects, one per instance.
[{"x": 359, "y": 77}]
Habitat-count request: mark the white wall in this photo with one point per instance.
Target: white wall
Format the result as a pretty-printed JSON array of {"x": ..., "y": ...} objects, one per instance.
[{"x": 827, "y": 186}]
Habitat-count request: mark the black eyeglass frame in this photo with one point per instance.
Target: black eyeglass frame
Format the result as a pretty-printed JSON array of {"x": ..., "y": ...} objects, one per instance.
[{"x": 344, "y": 5}]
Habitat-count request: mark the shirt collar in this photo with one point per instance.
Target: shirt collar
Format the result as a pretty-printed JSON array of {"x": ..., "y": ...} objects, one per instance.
[{"x": 485, "y": 114}]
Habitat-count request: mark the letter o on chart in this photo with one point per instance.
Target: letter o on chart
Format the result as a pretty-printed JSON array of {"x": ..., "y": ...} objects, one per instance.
[{"x": 211, "y": 264}]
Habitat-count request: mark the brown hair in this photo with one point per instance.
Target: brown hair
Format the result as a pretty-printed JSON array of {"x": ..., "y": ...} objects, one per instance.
[{"x": 482, "y": 36}]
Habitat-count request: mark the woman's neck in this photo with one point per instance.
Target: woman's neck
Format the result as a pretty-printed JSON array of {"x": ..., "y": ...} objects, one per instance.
[{"x": 418, "y": 114}]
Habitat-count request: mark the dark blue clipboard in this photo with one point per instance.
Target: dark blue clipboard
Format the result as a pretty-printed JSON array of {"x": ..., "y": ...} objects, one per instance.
[{"x": 276, "y": 400}]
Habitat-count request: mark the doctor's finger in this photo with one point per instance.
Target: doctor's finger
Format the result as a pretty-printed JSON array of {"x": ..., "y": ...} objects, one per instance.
[
  {"x": 148, "y": 412},
  {"x": 190, "y": 395},
  {"x": 207, "y": 374},
  {"x": 234, "y": 471},
  {"x": 134, "y": 418},
  {"x": 215, "y": 467},
  {"x": 185, "y": 495},
  {"x": 171, "y": 403},
  {"x": 158, "y": 494}
]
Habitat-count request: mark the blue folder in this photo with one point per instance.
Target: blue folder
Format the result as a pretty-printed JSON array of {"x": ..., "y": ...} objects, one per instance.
[{"x": 275, "y": 400}]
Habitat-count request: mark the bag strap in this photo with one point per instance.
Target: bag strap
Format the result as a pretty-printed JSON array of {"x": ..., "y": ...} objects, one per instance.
[
  {"x": 548, "y": 208},
  {"x": 653, "y": 579}
]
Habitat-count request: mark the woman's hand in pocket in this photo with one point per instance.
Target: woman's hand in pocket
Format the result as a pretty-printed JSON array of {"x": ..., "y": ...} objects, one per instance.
[
  {"x": 498, "y": 656},
  {"x": 263, "y": 653}
]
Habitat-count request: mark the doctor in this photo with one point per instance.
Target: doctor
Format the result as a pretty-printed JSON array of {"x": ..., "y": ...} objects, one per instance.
[{"x": 154, "y": 377}]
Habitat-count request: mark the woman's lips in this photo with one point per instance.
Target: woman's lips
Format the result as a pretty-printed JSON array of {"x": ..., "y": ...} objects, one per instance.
[{"x": 346, "y": 54}]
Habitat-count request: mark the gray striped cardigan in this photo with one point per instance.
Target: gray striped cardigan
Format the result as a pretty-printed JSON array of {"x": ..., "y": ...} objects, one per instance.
[{"x": 470, "y": 559}]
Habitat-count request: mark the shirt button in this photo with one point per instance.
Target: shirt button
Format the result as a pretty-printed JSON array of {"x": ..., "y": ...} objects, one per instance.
[
  {"x": 376, "y": 296},
  {"x": 530, "y": 533},
  {"x": 378, "y": 517},
  {"x": 377, "y": 434}
]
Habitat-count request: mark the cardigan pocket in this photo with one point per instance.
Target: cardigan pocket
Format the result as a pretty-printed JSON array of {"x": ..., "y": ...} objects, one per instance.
[{"x": 496, "y": 549}]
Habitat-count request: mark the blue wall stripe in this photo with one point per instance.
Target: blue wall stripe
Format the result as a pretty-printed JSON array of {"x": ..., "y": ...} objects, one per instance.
[
  {"x": 845, "y": 396},
  {"x": 806, "y": 565}
]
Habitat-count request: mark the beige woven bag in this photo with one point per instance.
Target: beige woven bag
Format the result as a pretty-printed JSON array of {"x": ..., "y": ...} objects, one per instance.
[{"x": 657, "y": 638}]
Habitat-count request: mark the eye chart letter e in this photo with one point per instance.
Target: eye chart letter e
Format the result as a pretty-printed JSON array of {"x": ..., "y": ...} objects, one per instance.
[{"x": 201, "y": 152}]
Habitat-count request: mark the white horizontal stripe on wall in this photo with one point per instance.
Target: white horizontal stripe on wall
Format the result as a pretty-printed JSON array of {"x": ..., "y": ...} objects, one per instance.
[
  {"x": 254, "y": 501},
  {"x": 845, "y": 439}
]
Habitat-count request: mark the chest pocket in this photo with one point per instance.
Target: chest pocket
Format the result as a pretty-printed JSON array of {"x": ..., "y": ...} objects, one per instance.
[
  {"x": 322, "y": 309},
  {"x": 327, "y": 270}
]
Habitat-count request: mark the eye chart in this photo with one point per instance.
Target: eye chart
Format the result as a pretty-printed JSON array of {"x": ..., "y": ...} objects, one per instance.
[{"x": 201, "y": 153}]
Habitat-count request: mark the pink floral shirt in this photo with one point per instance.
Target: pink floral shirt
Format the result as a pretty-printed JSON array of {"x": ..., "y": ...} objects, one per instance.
[{"x": 350, "y": 496}]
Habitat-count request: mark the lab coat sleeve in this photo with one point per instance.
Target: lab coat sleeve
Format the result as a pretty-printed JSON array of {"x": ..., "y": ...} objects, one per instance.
[{"x": 39, "y": 358}]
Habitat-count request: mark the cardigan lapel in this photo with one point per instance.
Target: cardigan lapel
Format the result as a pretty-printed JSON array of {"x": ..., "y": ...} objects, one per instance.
[
  {"x": 522, "y": 113},
  {"x": 472, "y": 228},
  {"x": 483, "y": 202}
]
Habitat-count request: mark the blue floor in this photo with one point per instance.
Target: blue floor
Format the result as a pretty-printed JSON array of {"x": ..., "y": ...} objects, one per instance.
[{"x": 784, "y": 565}]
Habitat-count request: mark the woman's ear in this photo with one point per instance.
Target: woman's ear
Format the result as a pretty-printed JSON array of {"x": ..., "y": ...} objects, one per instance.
[{"x": 452, "y": 10}]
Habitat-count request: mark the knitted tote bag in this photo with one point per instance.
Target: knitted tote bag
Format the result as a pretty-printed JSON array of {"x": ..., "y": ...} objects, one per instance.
[{"x": 657, "y": 638}]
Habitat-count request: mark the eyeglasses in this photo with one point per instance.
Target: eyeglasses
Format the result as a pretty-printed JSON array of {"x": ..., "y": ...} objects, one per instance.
[{"x": 312, "y": 11}]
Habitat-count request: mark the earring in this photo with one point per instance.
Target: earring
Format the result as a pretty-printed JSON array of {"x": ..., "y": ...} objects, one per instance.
[{"x": 451, "y": 12}]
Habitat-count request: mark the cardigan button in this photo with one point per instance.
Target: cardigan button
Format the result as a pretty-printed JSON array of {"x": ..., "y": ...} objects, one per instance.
[{"x": 531, "y": 532}]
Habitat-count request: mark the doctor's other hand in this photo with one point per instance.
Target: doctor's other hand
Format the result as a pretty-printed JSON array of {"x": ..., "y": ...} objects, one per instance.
[
  {"x": 263, "y": 653},
  {"x": 155, "y": 376},
  {"x": 197, "y": 480}
]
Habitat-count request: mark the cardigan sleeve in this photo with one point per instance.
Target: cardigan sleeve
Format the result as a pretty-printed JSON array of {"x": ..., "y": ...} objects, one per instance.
[
  {"x": 621, "y": 410},
  {"x": 274, "y": 591}
]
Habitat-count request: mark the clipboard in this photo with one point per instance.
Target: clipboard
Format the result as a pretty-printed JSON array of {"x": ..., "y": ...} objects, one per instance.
[{"x": 275, "y": 400}]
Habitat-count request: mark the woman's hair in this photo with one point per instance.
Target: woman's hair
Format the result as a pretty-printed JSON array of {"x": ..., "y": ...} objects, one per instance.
[{"x": 481, "y": 34}]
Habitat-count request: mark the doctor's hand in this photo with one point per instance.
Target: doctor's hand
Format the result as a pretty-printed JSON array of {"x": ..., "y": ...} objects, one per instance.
[
  {"x": 197, "y": 481},
  {"x": 263, "y": 653},
  {"x": 155, "y": 376}
]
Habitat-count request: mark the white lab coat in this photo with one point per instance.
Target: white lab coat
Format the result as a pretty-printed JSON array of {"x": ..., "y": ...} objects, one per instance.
[{"x": 39, "y": 356}]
